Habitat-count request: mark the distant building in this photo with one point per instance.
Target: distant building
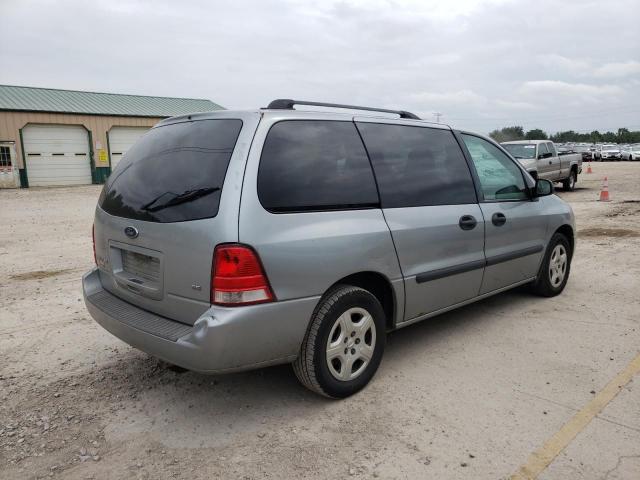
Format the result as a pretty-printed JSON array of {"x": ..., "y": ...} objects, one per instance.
[{"x": 63, "y": 137}]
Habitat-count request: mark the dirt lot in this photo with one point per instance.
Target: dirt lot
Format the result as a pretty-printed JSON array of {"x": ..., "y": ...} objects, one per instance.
[{"x": 470, "y": 394}]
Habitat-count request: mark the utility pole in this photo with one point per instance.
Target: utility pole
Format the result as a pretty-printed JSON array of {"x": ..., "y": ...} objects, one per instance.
[{"x": 437, "y": 115}]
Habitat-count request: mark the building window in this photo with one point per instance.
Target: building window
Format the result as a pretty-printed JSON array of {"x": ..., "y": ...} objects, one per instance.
[{"x": 5, "y": 156}]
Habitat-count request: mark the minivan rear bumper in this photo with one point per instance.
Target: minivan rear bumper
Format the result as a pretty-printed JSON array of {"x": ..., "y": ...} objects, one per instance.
[{"x": 221, "y": 340}]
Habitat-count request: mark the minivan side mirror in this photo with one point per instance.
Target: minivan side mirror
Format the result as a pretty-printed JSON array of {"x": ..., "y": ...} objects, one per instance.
[{"x": 543, "y": 188}]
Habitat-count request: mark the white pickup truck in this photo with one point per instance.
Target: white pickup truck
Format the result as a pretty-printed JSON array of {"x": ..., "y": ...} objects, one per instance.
[{"x": 540, "y": 158}]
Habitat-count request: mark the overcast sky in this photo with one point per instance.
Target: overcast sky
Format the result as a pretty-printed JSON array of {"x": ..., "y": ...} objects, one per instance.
[{"x": 482, "y": 63}]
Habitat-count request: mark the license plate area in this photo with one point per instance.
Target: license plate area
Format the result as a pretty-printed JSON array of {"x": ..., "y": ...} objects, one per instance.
[
  {"x": 141, "y": 266},
  {"x": 137, "y": 270}
]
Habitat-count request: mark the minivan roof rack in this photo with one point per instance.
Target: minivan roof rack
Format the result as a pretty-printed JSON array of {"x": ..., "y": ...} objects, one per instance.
[{"x": 287, "y": 104}]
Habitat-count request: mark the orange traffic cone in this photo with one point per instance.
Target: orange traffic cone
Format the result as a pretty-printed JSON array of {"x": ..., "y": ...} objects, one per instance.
[
  {"x": 589, "y": 168},
  {"x": 604, "y": 193}
]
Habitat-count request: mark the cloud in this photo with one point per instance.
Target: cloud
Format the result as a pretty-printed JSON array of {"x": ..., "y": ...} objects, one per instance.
[
  {"x": 516, "y": 105},
  {"x": 575, "y": 65},
  {"x": 425, "y": 8},
  {"x": 589, "y": 68},
  {"x": 549, "y": 91},
  {"x": 435, "y": 60},
  {"x": 481, "y": 62},
  {"x": 440, "y": 99},
  {"x": 623, "y": 69}
]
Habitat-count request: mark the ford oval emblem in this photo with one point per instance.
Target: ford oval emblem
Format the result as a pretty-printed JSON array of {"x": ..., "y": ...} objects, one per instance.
[{"x": 131, "y": 232}]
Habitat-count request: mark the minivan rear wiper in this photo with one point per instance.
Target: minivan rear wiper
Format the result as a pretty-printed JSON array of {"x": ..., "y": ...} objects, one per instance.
[{"x": 177, "y": 199}]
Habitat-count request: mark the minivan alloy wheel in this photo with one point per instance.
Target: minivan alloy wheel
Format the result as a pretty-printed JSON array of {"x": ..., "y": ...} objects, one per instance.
[
  {"x": 558, "y": 265},
  {"x": 344, "y": 343},
  {"x": 350, "y": 344}
]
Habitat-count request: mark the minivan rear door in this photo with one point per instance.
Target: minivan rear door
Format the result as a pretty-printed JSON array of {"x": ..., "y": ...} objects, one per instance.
[
  {"x": 430, "y": 205},
  {"x": 172, "y": 198}
]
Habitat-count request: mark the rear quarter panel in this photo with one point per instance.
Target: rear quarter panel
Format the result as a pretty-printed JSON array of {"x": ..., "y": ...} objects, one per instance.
[
  {"x": 305, "y": 253},
  {"x": 567, "y": 162}
]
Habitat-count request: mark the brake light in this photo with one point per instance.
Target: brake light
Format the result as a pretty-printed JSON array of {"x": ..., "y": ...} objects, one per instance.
[
  {"x": 93, "y": 238},
  {"x": 237, "y": 277}
]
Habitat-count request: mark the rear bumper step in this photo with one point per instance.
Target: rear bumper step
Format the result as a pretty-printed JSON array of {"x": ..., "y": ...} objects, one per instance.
[
  {"x": 137, "y": 318},
  {"x": 221, "y": 340}
]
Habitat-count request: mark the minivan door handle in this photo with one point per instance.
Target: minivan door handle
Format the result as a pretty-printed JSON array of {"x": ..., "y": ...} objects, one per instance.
[
  {"x": 467, "y": 222},
  {"x": 498, "y": 219}
]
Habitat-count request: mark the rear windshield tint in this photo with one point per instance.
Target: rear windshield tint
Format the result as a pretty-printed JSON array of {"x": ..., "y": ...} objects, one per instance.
[{"x": 173, "y": 173}]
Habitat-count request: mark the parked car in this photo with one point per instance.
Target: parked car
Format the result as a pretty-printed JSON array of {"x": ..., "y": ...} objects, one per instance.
[
  {"x": 608, "y": 152},
  {"x": 564, "y": 149},
  {"x": 233, "y": 240},
  {"x": 630, "y": 152},
  {"x": 540, "y": 159},
  {"x": 585, "y": 151}
]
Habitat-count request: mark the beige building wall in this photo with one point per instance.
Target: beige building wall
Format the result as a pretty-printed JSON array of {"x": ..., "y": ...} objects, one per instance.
[{"x": 98, "y": 125}]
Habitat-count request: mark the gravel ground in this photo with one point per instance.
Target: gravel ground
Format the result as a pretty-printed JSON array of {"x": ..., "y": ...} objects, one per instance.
[{"x": 469, "y": 394}]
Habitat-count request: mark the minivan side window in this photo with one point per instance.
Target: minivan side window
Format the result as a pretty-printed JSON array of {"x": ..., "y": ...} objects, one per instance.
[
  {"x": 310, "y": 165},
  {"x": 417, "y": 166},
  {"x": 500, "y": 178}
]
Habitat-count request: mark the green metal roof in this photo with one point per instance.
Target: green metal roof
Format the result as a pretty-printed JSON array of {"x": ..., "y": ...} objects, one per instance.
[{"x": 91, "y": 103}]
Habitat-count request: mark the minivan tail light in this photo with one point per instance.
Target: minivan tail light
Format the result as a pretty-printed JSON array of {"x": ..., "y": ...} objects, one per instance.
[{"x": 237, "y": 277}]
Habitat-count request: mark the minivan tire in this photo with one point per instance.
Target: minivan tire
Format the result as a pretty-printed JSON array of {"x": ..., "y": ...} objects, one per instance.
[
  {"x": 312, "y": 367},
  {"x": 544, "y": 285}
]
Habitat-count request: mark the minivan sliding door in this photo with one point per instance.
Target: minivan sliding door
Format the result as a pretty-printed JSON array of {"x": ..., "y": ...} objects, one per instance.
[{"x": 429, "y": 202}]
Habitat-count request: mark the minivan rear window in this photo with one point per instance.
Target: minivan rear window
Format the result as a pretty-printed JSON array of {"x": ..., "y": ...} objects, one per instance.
[{"x": 174, "y": 173}]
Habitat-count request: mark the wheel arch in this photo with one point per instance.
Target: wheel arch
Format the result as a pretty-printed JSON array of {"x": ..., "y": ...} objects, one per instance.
[
  {"x": 379, "y": 286},
  {"x": 567, "y": 231}
]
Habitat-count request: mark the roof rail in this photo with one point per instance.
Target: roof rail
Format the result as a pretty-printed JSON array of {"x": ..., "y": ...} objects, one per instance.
[{"x": 287, "y": 104}]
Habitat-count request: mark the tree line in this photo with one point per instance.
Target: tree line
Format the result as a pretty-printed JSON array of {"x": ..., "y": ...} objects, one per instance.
[{"x": 623, "y": 135}]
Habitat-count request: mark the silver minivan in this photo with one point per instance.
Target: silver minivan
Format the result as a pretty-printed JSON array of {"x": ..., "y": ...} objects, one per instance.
[{"x": 234, "y": 240}]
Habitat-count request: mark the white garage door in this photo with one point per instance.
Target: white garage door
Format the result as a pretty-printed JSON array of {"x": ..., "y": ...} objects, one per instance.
[
  {"x": 121, "y": 139},
  {"x": 56, "y": 155}
]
